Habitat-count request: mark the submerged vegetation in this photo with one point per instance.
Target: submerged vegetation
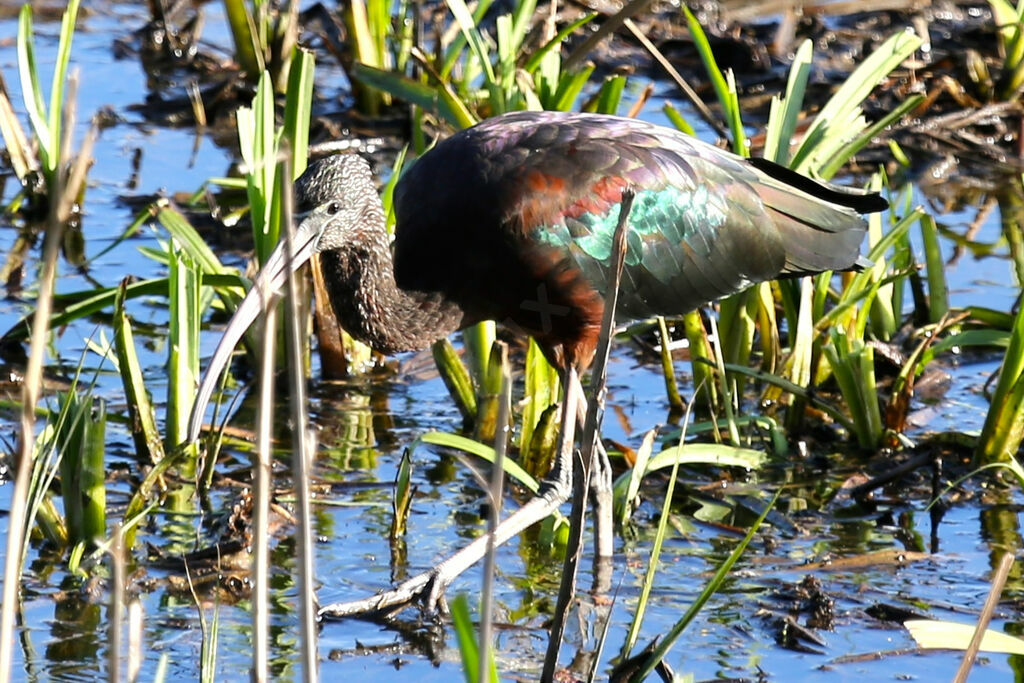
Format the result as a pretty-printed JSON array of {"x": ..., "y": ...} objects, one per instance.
[{"x": 812, "y": 366}]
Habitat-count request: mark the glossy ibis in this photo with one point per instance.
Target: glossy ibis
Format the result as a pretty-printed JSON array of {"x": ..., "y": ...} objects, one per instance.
[{"x": 512, "y": 220}]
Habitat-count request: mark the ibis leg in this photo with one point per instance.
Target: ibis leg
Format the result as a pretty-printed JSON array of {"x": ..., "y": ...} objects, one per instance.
[
  {"x": 561, "y": 475},
  {"x": 428, "y": 588},
  {"x": 601, "y": 489}
]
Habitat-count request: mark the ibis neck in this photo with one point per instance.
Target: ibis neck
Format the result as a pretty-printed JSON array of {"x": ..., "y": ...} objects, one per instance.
[{"x": 372, "y": 307}]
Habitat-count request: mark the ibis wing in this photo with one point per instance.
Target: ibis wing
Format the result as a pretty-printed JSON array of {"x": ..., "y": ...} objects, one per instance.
[{"x": 531, "y": 200}]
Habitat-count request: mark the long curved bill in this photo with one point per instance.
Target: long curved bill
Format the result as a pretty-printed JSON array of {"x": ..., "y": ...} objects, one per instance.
[{"x": 264, "y": 293}]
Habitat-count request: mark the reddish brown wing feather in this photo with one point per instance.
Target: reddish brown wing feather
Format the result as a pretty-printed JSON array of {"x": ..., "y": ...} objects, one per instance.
[{"x": 499, "y": 218}]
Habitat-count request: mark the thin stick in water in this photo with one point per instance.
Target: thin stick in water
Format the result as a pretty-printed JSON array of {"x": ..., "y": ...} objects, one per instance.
[
  {"x": 261, "y": 482},
  {"x": 17, "y": 517},
  {"x": 115, "y": 617},
  {"x": 998, "y": 582},
  {"x": 496, "y": 494},
  {"x": 303, "y": 445},
  {"x": 591, "y": 432}
]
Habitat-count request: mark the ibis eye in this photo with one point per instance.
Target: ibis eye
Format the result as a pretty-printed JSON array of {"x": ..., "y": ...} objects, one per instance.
[{"x": 333, "y": 208}]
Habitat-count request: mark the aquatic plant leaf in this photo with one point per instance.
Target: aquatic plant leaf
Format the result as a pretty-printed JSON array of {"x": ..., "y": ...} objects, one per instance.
[
  {"x": 832, "y": 128},
  {"x": 785, "y": 112},
  {"x": 248, "y": 51},
  {"x": 438, "y": 99},
  {"x": 480, "y": 450},
  {"x": 1004, "y": 424},
  {"x": 538, "y": 55},
  {"x": 541, "y": 388},
  {"x": 933, "y": 634},
  {"x": 725, "y": 86},
  {"x": 675, "y": 401},
  {"x": 716, "y": 581},
  {"x": 142, "y": 421},
  {"x": 455, "y": 377},
  {"x": 624, "y": 504},
  {"x": 465, "y": 636},
  {"x": 298, "y": 108}
]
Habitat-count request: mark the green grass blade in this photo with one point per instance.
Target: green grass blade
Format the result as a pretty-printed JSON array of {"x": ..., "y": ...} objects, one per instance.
[
  {"x": 710, "y": 589},
  {"x": 387, "y": 195},
  {"x": 247, "y": 45},
  {"x": 569, "y": 88},
  {"x": 257, "y": 135},
  {"x": 32, "y": 90},
  {"x": 740, "y": 145},
  {"x": 938, "y": 296},
  {"x": 83, "y": 304},
  {"x": 404, "y": 35},
  {"x": 540, "y": 390},
  {"x": 668, "y": 371},
  {"x": 377, "y": 12},
  {"x": 725, "y": 91},
  {"x": 457, "y": 47},
  {"x": 801, "y": 359},
  {"x": 846, "y": 152},
  {"x": 478, "y": 449},
  {"x": 522, "y": 18},
  {"x": 438, "y": 100},
  {"x": 1008, "y": 427},
  {"x": 631, "y": 479},
  {"x": 191, "y": 242},
  {"x": 539, "y": 454},
  {"x": 145, "y": 433},
  {"x": 507, "y": 50},
  {"x": 489, "y": 399},
  {"x": 183, "y": 340},
  {"x": 784, "y": 116},
  {"x": 93, "y": 474},
  {"x": 401, "y": 502},
  {"x": 862, "y": 282},
  {"x": 547, "y": 76},
  {"x": 737, "y": 321},
  {"x": 467, "y": 24},
  {"x": 298, "y": 108},
  {"x": 60, "y": 72},
  {"x": 22, "y": 157},
  {"x": 715, "y": 455},
  {"x": 968, "y": 338},
  {"x": 655, "y": 557},
  {"x": 41, "y": 511},
  {"x": 357, "y": 21},
  {"x": 1008, "y": 28},
  {"x": 853, "y": 366},
  {"x": 701, "y": 360},
  {"x": 535, "y": 58},
  {"x": 797, "y": 390},
  {"x": 677, "y": 119},
  {"x": 610, "y": 95},
  {"x": 1000, "y": 436},
  {"x": 478, "y": 340},
  {"x": 832, "y": 127},
  {"x": 70, "y": 444},
  {"x": 456, "y": 378},
  {"x": 883, "y": 312},
  {"x": 469, "y": 651}
]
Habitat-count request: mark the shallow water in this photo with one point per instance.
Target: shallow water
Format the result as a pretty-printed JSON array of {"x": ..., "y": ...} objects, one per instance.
[{"x": 365, "y": 426}]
